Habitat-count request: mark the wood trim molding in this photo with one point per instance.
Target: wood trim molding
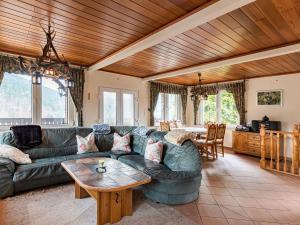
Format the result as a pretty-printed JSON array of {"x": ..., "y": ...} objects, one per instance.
[
  {"x": 264, "y": 54},
  {"x": 197, "y": 17}
]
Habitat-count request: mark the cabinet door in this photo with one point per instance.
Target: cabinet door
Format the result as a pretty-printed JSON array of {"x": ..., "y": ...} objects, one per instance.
[{"x": 240, "y": 140}]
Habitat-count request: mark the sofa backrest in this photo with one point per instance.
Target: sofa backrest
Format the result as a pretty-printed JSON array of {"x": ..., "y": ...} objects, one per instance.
[
  {"x": 57, "y": 142},
  {"x": 179, "y": 158}
]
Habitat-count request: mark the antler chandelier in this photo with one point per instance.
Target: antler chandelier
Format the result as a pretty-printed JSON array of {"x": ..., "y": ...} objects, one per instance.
[
  {"x": 198, "y": 95},
  {"x": 49, "y": 64}
]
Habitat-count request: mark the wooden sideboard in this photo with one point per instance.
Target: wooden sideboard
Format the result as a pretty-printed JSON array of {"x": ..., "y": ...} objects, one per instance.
[{"x": 249, "y": 143}]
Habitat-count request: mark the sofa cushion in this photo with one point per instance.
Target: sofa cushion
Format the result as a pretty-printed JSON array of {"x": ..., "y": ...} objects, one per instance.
[
  {"x": 118, "y": 153},
  {"x": 138, "y": 162},
  {"x": 40, "y": 168},
  {"x": 6, "y": 138},
  {"x": 48, "y": 167},
  {"x": 88, "y": 155}
]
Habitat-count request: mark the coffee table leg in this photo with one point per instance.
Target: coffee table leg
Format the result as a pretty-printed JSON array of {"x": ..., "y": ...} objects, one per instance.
[
  {"x": 80, "y": 192},
  {"x": 112, "y": 206}
]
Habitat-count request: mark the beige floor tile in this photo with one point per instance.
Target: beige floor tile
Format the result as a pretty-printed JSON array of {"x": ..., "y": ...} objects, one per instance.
[
  {"x": 248, "y": 202},
  {"x": 218, "y": 191},
  {"x": 206, "y": 199},
  {"x": 285, "y": 216},
  {"x": 225, "y": 200},
  {"x": 271, "y": 203},
  {"x": 267, "y": 223},
  {"x": 240, "y": 222},
  {"x": 234, "y": 212},
  {"x": 206, "y": 210},
  {"x": 238, "y": 192},
  {"x": 259, "y": 215},
  {"x": 214, "y": 221}
]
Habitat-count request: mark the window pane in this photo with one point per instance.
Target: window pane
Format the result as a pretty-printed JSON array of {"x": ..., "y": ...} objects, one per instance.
[
  {"x": 229, "y": 112},
  {"x": 173, "y": 107},
  {"x": 128, "y": 109},
  {"x": 158, "y": 112},
  {"x": 54, "y": 102},
  {"x": 210, "y": 109},
  {"x": 15, "y": 99},
  {"x": 110, "y": 108}
]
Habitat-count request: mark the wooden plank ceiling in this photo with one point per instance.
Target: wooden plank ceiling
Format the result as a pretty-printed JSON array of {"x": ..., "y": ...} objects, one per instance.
[
  {"x": 88, "y": 30},
  {"x": 279, "y": 65}
]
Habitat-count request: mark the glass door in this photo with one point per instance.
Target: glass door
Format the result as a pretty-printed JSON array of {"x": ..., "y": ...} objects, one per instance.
[{"x": 118, "y": 107}]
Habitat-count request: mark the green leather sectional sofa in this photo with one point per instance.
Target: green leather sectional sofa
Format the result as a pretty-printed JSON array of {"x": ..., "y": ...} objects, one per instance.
[{"x": 175, "y": 181}]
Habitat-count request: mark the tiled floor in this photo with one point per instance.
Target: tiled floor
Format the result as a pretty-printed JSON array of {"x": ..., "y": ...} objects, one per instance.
[{"x": 235, "y": 191}]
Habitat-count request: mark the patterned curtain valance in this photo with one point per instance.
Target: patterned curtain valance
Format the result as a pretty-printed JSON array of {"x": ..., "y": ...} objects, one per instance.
[
  {"x": 158, "y": 87},
  {"x": 236, "y": 88},
  {"x": 8, "y": 64},
  {"x": 168, "y": 88}
]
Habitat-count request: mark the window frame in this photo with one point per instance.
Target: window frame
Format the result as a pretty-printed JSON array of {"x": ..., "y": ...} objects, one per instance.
[
  {"x": 119, "y": 104},
  {"x": 36, "y": 108},
  {"x": 165, "y": 108},
  {"x": 218, "y": 110}
]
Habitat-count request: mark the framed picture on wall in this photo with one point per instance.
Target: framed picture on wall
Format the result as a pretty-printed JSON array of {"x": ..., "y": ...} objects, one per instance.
[{"x": 269, "y": 97}]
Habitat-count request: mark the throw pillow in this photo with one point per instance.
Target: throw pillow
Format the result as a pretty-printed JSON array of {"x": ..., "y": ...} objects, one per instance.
[
  {"x": 154, "y": 151},
  {"x": 121, "y": 143},
  {"x": 14, "y": 154},
  {"x": 87, "y": 144},
  {"x": 178, "y": 136}
]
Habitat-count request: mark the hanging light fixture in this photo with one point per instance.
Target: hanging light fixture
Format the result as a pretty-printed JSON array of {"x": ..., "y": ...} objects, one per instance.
[
  {"x": 49, "y": 64},
  {"x": 36, "y": 78},
  {"x": 197, "y": 92}
]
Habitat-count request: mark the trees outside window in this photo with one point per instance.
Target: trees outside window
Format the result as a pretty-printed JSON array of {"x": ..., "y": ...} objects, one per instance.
[{"x": 219, "y": 108}]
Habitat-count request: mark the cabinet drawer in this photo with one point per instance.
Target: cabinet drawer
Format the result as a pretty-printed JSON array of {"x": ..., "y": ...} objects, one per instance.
[{"x": 254, "y": 138}]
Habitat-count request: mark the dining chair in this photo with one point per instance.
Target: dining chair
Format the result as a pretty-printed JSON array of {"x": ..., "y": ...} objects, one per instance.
[
  {"x": 207, "y": 145},
  {"x": 164, "y": 126},
  {"x": 206, "y": 125},
  {"x": 173, "y": 124},
  {"x": 219, "y": 142}
]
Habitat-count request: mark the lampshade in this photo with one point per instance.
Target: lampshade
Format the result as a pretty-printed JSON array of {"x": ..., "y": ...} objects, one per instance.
[
  {"x": 70, "y": 83},
  {"x": 36, "y": 78}
]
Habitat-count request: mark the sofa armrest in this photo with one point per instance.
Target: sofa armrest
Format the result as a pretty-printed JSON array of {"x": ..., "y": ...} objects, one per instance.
[
  {"x": 7, "y": 165},
  {"x": 7, "y": 169}
]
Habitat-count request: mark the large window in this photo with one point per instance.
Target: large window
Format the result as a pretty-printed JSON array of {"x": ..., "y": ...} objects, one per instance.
[
  {"x": 54, "y": 102},
  {"x": 15, "y": 99},
  {"x": 24, "y": 103},
  {"x": 210, "y": 109},
  {"x": 168, "y": 107},
  {"x": 219, "y": 108}
]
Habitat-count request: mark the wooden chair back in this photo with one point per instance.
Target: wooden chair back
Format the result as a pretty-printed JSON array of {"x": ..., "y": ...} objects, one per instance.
[
  {"x": 165, "y": 126},
  {"x": 207, "y": 124},
  {"x": 173, "y": 124},
  {"x": 211, "y": 132},
  {"x": 221, "y": 131}
]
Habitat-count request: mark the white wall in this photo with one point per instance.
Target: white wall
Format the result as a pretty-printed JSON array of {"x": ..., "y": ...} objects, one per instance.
[
  {"x": 95, "y": 80},
  {"x": 288, "y": 114}
]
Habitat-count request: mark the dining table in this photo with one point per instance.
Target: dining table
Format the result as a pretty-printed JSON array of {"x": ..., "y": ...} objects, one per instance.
[{"x": 197, "y": 130}]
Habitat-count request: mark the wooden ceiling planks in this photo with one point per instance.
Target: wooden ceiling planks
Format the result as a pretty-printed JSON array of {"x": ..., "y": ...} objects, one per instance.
[
  {"x": 86, "y": 29},
  {"x": 285, "y": 64},
  {"x": 254, "y": 27}
]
